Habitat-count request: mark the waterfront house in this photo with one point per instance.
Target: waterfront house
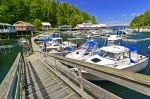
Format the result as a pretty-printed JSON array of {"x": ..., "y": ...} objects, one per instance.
[
  {"x": 65, "y": 28},
  {"x": 90, "y": 26},
  {"x": 23, "y": 26},
  {"x": 7, "y": 28},
  {"x": 46, "y": 25}
]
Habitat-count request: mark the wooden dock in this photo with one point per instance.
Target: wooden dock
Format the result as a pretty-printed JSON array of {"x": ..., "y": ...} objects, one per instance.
[
  {"x": 40, "y": 82},
  {"x": 124, "y": 39},
  {"x": 46, "y": 76}
]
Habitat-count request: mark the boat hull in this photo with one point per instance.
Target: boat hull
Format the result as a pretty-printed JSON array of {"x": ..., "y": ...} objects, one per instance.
[{"x": 133, "y": 68}]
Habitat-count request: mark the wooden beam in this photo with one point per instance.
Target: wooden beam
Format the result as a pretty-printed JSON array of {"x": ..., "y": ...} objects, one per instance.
[
  {"x": 95, "y": 90},
  {"x": 67, "y": 81},
  {"x": 134, "y": 81}
]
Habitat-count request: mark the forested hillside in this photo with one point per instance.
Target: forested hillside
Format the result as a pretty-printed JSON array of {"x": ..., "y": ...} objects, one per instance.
[
  {"x": 142, "y": 20},
  {"x": 55, "y": 12}
]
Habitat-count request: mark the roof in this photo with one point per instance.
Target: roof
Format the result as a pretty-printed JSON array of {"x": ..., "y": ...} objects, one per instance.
[
  {"x": 46, "y": 23},
  {"x": 65, "y": 26},
  {"x": 115, "y": 49},
  {"x": 24, "y": 23},
  {"x": 90, "y": 25},
  {"x": 6, "y": 24}
]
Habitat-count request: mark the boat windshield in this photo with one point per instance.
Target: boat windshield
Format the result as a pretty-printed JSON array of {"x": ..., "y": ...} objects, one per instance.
[
  {"x": 88, "y": 45},
  {"x": 59, "y": 41},
  {"x": 101, "y": 53},
  {"x": 84, "y": 46},
  {"x": 107, "y": 55}
]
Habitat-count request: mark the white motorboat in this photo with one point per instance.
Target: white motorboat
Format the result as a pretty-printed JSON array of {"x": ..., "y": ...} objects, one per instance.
[
  {"x": 85, "y": 51},
  {"x": 118, "y": 57},
  {"x": 57, "y": 45},
  {"x": 114, "y": 55},
  {"x": 113, "y": 40},
  {"x": 23, "y": 41}
]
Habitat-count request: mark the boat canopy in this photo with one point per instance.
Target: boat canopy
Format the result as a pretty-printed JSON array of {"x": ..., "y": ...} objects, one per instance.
[
  {"x": 91, "y": 43},
  {"x": 115, "y": 49},
  {"x": 120, "y": 32},
  {"x": 131, "y": 48},
  {"x": 43, "y": 39},
  {"x": 54, "y": 35},
  {"x": 69, "y": 49}
]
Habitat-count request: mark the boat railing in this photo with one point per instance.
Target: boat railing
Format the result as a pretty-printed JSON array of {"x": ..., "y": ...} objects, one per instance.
[
  {"x": 10, "y": 88},
  {"x": 135, "y": 81}
]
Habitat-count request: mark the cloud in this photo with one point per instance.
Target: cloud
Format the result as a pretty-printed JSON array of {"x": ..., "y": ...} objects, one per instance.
[
  {"x": 122, "y": 15},
  {"x": 133, "y": 14}
]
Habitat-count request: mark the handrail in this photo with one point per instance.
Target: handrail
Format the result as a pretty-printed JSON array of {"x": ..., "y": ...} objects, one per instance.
[
  {"x": 134, "y": 81},
  {"x": 13, "y": 76},
  {"x": 94, "y": 90}
]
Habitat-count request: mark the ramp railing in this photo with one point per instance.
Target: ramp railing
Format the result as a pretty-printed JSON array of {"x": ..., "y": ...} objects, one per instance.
[{"x": 11, "y": 86}]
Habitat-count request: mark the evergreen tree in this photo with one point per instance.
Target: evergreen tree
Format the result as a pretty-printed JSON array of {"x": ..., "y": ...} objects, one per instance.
[
  {"x": 53, "y": 11},
  {"x": 142, "y": 20},
  {"x": 37, "y": 23}
]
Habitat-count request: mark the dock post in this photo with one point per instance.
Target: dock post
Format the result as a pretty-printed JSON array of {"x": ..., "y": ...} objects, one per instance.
[
  {"x": 31, "y": 34},
  {"x": 80, "y": 75},
  {"x": 41, "y": 56},
  {"x": 8, "y": 37}
]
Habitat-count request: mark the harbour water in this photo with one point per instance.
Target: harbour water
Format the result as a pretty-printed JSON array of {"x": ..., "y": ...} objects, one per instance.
[
  {"x": 142, "y": 48},
  {"x": 6, "y": 60}
]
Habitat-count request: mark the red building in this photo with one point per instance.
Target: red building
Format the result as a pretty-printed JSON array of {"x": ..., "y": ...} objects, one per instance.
[{"x": 23, "y": 26}]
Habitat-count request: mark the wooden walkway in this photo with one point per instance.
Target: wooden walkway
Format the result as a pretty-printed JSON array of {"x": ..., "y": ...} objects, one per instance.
[{"x": 41, "y": 82}]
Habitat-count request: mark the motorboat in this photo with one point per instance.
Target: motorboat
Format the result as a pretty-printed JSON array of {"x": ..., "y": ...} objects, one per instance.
[
  {"x": 91, "y": 47},
  {"x": 56, "y": 44},
  {"x": 113, "y": 40},
  {"x": 23, "y": 41},
  {"x": 85, "y": 51},
  {"x": 119, "y": 57},
  {"x": 125, "y": 32},
  {"x": 42, "y": 38},
  {"x": 45, "y": 38},
  {"x": 94, "y": 33}
]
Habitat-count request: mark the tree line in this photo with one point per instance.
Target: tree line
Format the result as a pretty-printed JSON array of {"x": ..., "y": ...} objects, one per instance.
[
  {"x": 141, "y": 21},
  {"x": 35, "y": 11}
]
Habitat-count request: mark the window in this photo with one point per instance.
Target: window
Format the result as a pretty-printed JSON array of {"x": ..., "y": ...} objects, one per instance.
[
  {"x": 107, "y": 55},
  {"x": 1, "y": 27},
  {"x": 95, "y": 60}
]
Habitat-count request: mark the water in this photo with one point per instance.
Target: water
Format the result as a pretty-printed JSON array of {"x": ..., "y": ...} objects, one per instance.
[
  {"x": 121, "y": 91},
  {"x": 139, "y": 35},
  {"x": 6, "y": 60}
]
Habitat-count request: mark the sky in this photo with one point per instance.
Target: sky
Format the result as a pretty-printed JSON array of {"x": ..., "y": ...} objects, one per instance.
[{"x": 112, "y": 11}]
